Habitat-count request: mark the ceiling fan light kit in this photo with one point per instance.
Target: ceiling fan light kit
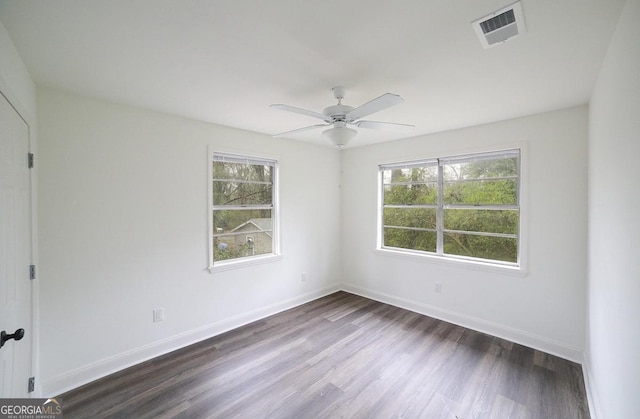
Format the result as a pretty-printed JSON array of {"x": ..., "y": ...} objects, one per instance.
[
  {"x": 342, "y": 115},
  {"x": 339, "y": 135}
]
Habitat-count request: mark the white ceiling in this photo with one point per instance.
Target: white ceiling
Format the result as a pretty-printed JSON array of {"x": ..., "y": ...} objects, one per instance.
[{"x": 225, "y": 61}]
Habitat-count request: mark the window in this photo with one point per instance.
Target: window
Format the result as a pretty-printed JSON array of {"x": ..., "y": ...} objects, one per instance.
[
  {"x": 464, "y": 207},
  {"x": 243, "y": 208}
]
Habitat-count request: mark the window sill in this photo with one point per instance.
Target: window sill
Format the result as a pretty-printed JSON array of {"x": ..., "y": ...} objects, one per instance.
[
  {"x": 453, "y": 261},
  {"x": 243, "y": 263}
]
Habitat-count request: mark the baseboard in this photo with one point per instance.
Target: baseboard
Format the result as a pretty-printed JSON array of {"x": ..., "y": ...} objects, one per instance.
[
  {"x": 514, "y": 335},
  {"x": 592, "y": 400},
  {"x": 75, "y": 378}
]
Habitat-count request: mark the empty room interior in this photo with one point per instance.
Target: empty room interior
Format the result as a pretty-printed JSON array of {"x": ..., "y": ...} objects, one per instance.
[{"x": 334, "y": 209}]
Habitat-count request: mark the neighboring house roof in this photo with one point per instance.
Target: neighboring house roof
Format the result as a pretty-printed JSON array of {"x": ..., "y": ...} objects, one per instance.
[{"x": 259, "y": 224}]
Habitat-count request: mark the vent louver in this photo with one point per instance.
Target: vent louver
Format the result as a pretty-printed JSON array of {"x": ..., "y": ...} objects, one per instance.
[
  {"x": 500, "y": 25},
  {"x": 497, "y": 22}
]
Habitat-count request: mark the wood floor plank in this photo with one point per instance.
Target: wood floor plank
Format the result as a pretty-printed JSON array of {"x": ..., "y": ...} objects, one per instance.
[{"x": 341, "y": 356}]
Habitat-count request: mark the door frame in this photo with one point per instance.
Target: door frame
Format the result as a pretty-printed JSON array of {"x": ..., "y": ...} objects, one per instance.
[{"x": 30, "y": 120}]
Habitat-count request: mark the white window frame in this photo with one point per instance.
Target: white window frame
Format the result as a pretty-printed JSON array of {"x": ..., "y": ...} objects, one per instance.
[
  {"x": 224, "y": 265},
  {"x": 439, "y": 254}
]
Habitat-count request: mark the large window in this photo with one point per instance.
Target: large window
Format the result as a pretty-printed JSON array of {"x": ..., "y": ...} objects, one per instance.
[
  {"x": 243, "y": 208},
  {"x": 465, "y": 207}
]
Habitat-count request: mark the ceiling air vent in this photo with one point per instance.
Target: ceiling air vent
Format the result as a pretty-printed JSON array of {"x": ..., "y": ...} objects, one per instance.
[{"x": 500, "y": 25}]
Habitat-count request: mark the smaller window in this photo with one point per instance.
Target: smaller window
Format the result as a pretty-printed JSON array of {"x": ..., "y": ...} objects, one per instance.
[{"x": 243, "y": 208}]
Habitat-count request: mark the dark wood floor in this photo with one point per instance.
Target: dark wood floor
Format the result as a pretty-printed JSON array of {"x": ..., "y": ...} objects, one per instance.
[{"x": 342, "y": 356}]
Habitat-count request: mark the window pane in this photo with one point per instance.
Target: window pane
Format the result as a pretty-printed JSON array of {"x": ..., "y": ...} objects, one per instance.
[
  {"x": 252, "y": 172},
  {"x": 425, "y": 194},
  {"x": 488, "y": 221},
  {"x": 483, "y": 247},
  {"x": 246, "y": 220},
  {"x": 238, "y": 193},
  {"x": 413, "y": 174},
  {"x": 410, "y": 239},
  {"x": 231, "y": 247},
  {"x": 242, "y": 233},
  {"x": 482, "y": 192},
  {"x": 481, "y": 169},
  {"x": 410, "y": 217}
]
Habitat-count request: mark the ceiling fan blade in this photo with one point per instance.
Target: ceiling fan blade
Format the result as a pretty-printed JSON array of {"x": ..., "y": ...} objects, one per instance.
[
  {"x": 296, "y": 131},
  {"x": 301, "y": 111},
  {"x": 384, "y": 125},
  {"x": 382, "y": 102}
]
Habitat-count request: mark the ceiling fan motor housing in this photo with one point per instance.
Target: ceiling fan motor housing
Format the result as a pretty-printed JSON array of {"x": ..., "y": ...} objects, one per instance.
[{"x": 338, "y": 112}]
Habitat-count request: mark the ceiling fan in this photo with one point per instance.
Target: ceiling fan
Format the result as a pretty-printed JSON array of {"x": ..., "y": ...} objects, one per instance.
[{"x": 342, "y": 115}]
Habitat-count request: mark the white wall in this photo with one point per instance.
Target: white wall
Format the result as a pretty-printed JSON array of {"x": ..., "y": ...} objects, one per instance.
[
  {"x": 123, "y": 210},
  {"x": 613, "y": 316},
  {"x": 15, "y": 82},
  {"x": 544, "y": 307}
]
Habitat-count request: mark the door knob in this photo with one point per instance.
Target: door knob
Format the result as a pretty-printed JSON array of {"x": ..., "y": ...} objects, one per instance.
[{"x": 19, "y": 334}]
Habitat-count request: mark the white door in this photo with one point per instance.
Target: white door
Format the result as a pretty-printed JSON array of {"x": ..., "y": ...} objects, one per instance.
[{"x": 15, "y": 252}]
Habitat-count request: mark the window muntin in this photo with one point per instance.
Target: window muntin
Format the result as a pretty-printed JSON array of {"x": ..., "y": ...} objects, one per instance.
[
  {"x": 242, "y": 208},
  {"x": 461, "y": 206}
]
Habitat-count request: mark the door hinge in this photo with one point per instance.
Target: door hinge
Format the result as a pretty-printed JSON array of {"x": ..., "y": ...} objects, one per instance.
[
  {"x": 32, "y": 271},
  {"x": 32, "y": 384},
  {"x": 30, "y": 159}
]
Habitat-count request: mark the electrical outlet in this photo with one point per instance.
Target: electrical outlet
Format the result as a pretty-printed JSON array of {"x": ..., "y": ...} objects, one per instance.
[
  {"x": 438, "y": 288},
  {"x": 158, "y": 315},
  {"x": 303, "y": 277}
]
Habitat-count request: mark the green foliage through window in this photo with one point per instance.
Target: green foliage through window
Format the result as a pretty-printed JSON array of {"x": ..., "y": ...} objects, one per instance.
[{"x": 461, "y": 206}]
